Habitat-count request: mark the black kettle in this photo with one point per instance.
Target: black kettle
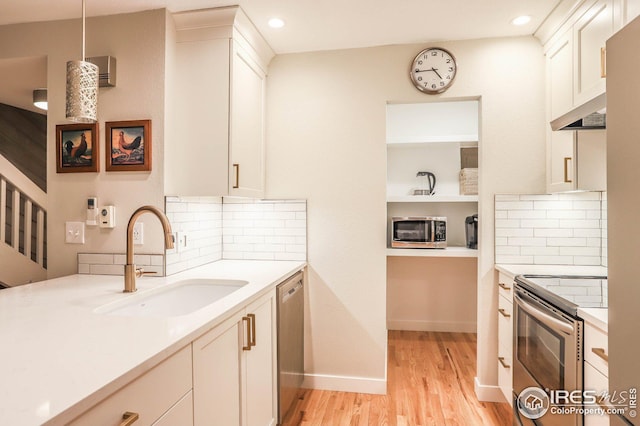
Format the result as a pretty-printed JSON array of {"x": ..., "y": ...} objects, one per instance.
[
  {"x": 471, "y": 231},
  {"x": 426, "y": 184}
]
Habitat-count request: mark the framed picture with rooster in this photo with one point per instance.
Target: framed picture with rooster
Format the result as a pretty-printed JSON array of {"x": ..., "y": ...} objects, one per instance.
[
  {"x": 77, "y": 148},
  {"x": 128, "y": 146}
]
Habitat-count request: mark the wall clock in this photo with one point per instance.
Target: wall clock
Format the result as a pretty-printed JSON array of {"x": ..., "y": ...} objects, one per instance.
[{"x": 433, "y": 70}]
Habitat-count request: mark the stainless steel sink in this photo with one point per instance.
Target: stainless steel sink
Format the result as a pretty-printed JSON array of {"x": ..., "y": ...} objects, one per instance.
[{"x": 180, "y": 298}]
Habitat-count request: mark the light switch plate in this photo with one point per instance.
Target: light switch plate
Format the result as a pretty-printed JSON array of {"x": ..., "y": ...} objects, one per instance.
[
  {"x": 74, "y": 232},
  {"x": 138, "y": 233}
]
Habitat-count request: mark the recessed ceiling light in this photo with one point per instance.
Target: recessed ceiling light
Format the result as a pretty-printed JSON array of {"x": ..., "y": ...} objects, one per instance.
[
  {"x": 276, "y": 23},
  {"x": 521, "y": 20}
]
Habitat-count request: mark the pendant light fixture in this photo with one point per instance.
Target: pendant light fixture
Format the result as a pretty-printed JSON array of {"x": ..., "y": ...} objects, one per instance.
[{"x": 82, "y": 86}]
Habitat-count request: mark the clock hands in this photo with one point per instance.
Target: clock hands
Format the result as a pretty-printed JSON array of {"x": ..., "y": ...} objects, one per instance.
[{"x": 432, "y": 69}]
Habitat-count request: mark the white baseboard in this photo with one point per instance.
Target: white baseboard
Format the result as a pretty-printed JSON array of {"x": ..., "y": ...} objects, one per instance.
[
  {"x": 487, "y": 393},
  {"x": 345, "y": 383},
  {"x": 419, "y": 325}
]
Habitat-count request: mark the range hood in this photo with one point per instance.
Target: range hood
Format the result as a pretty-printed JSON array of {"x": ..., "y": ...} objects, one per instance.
[{"x": 590, "y": 115}]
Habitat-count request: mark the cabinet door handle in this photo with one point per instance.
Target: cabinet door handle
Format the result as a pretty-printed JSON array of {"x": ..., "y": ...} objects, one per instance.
[
  {"x": 504, "y": 364},
  {"x": 504, "y": 313},
  {"x": 252, "y": 340},
  {"x": 504, "y": 286},
  {"x": 566, "y": 170},
  {"x": 603, "y": 62},
  {"x": 236, "y": 170},
  {"x": 247, "y": 321},
  {"x": 129, "y": 418},
  {"x": 601, "y": 353}
]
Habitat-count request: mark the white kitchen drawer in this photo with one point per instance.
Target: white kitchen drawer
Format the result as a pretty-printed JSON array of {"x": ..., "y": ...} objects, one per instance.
[
  {"x": 596, "y": 348},
  {"x": 505, "y": 286},
  {"x": 505, "y": 346},
  {"x": 180, "y": 414},
  {"x": 150, "y": 395},
  {"x": 595, "y": 380}
]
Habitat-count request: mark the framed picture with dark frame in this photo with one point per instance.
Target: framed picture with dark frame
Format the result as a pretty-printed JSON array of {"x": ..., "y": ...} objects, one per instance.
[
  {"x": 128, "y": 146},
  {"x": 77, "y": 148}
]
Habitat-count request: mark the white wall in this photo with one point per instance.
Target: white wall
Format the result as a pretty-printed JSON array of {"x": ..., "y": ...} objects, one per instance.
[
  {"x": 137, "y": 42},
  {"x": 326, "y": 143}
]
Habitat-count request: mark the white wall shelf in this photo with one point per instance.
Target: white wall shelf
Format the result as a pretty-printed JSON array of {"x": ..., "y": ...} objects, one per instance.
[
  {"x": 432, "y": 198},
  {"x": 447, "y": 252},
  {"x": 463, "y": 140}
]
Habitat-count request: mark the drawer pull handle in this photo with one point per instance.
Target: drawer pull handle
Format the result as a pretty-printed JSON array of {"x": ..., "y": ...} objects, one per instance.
[
  {"x": 504, "y": 286},
  {"x": 247, "y": 320},
  {"x": 252, "y": 340},
  {"x": 603, "y": 62},
  {"x": 504, "y": 364},
  {"x": 236, "y": 169},
  {"x": 129, "y": 418},
  {"x": 566, "y": 170},
  {"x": 601, "y": 353},
  {"x": 504, "y": 313}
]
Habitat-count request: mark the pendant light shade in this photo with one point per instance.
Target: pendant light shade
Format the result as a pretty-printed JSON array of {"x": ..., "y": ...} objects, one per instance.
[
  {"x": 82, "y": 91},
  {"x": 82, "y": 86}
]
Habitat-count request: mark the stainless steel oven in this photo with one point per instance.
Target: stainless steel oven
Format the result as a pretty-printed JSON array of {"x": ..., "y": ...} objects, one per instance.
[{"x": 547, "y": 355}]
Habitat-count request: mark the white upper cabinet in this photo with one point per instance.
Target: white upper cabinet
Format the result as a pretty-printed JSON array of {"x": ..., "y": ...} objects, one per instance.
[
  {"x": 216, "y": 99},
  {"x": 577, "y": 161},
  {"x": 575, "y": 56},
  {"x": 560, "y": 75},
  {"x": 591, "y": 32},
  {"x": 247, "y": 125}
]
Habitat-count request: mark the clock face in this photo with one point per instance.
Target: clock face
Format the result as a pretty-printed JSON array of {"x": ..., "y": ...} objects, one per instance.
[{"x": 433, "y": 70}]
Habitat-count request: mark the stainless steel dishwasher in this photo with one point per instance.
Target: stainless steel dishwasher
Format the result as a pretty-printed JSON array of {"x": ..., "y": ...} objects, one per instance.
[{"x": 290, "y": 309}]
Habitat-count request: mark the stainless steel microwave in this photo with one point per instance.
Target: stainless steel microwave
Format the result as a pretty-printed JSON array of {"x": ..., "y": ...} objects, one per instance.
[{"x": 419, "y": 232}]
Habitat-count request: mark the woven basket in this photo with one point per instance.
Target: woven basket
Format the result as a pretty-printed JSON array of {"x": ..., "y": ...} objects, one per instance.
[{"x": 469, "y": 181}]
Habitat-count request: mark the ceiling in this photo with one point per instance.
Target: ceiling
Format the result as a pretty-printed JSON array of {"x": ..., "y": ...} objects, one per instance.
[
  {"x": 310, "y": 25},
  {"x": 327, "y": 24}
]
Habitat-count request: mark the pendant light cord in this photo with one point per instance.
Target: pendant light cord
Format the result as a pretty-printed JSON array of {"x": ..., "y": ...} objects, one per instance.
[{"x": 83, "y": 29}]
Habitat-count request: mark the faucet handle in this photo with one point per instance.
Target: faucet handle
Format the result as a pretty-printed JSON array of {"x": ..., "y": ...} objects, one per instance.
[{"x": 140, "y": 272}]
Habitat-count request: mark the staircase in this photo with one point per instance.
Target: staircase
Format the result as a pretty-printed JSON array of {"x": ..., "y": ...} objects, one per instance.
[{"x": 23, "y": 218}]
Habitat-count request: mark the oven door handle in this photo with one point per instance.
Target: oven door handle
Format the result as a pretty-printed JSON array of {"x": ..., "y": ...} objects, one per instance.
[{"x": 545, "y": 318}]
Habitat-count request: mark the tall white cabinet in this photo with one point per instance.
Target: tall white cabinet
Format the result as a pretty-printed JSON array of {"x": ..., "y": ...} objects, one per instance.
[{"x": 216, "y": 120}]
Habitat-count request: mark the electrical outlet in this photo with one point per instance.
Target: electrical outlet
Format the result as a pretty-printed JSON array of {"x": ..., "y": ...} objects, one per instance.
[
  {"x": 138, "y": 233},
  {"x": 74, "y": 232},
  {"x": 180, "y": 241}
]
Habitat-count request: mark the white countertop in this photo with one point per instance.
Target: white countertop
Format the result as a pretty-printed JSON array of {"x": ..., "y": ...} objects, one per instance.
[
  {"x": 599, "y": 317},
  {"x": 595, "y": 316},
  {"x": 513, "y": 270},
  {"x": 58, "y": 357}
]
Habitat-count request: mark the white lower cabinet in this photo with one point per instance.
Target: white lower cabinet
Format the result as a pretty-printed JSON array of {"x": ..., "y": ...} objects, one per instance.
[
  {"x": 234, "y": 369},
  {"x": 158, "y": 397},
  {"x": 596, "y": 369},
  {"x": 505, "y": 336}
]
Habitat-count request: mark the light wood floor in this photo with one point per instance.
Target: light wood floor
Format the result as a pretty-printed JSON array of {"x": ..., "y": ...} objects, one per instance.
[{"x": 430, "y": 382}]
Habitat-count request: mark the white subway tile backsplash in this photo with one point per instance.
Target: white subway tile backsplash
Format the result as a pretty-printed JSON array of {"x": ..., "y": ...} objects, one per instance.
[
  {"x": 540, "y": 223},
  {"x": 264, "y": 229},
  {"x": 527, "y": 214},
  {"x": 514, "y": 205},
  {"x": 514, "y": 232},
  {"x": 113, "y": 263},
  {"x": 551, "y": 228},
  {"x": 554, "y": 232}
]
